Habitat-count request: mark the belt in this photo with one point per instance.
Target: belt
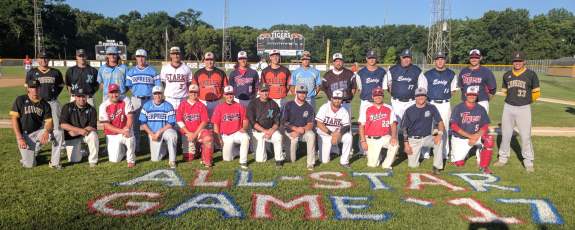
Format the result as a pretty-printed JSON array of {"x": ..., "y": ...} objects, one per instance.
[
  {"x": 374, "y": 137},
  {"x": 440, "y": 101},
  {"x": 415, "y": 137},
  {"x": 143, "y": 97},
  {"x": 403, "y": 99}
]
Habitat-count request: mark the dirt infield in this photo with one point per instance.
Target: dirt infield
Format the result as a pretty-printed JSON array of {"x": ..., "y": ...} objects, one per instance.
[{"x": 6, "y": 82}]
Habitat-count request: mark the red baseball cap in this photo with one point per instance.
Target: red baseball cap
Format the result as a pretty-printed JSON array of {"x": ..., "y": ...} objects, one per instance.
[
  {"x": 377, "y": 91},
  {"x": 113, "y": 87}
]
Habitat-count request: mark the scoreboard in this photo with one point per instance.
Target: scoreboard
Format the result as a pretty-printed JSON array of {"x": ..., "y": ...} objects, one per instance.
[
  {"x": 289, "y": 44},
  {"x": 101, "y": 49}
]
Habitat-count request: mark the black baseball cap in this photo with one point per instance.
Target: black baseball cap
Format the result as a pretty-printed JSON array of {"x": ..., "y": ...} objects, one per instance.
[
  {"x": 264, "y": 87},
  {"x": 79, "y": 92},
  {"x": 33, "y": 83},
  {"x": 80, "y": 52},
  {"x": 43, "y": 54},
  {"x": 518, "y": 56}
]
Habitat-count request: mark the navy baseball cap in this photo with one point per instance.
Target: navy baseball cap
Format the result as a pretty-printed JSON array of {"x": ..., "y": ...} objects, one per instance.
[
  {"x": 439, "y": 54},
  {"x": 421, "y": 92},
  {"x": 406, "y": 53},
  {"x": 33, "y": 83},
  {"x": 371, "y": 54}
]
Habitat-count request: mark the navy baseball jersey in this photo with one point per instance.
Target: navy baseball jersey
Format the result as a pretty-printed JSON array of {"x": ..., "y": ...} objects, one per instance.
[
  {"x": 482, "y": 77},
  {"x": 440, "y": 84},
  {"x": 468, "y": 118},
  {"x": 403, "y": 81},
  {"x": 244, "y": 83},
  {"x": 420, "y": 121},
  {"x": 297, "y": 115},
  {"x": 369, "y": 80},
  {"x": 344, "y": 81}
]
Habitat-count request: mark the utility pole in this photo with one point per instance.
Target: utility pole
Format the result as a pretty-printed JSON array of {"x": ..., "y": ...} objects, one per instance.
[
  {"x": 38, "y": 31},
  {"x": 439, "y": 37},
  {"x": 226, "y": 43},
  {"x": 166, "y": 55},
  {"x": 327, "y": 54}
]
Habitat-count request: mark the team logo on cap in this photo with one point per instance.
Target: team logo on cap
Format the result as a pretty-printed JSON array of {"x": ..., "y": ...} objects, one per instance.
[{"x": 305, "y": 114}]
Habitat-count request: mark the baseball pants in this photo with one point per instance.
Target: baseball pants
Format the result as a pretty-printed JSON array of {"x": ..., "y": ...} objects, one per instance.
[
  {"x": 276, "y": 140},
  {"x": 363, "y": 107},
  {"x": 235, "y": 138},
  {"x": 460, "y": 148},
  {"x": 281, "y": 102},
  {"x": 175, "y": 101},
  {"x": 90, "y": 99},
  {"x": 74, "y": 146},
  {"x": 399, "y": 108},
  {"x": 205, "y": 140},
  {"x": 417, "y": 145},
  {"x": 311, "y": 101},
  {"x": 137, "y": 103},
  {"x": 445, "y": 113},
  {"x": 33, "y": 141},
  {"x": 211, "y": 106},
  {"x": 56, "y": 108},
  {"x": 325, "y": 147},
  {"x": 374, "y": 147},
  {"x": 170, "y": 137},
  {"x": 116, "y": 151},
  {"x": 485, "y": 105},
  {"x": 309, "y": 138},
  {"x": 519, "y": 116}
]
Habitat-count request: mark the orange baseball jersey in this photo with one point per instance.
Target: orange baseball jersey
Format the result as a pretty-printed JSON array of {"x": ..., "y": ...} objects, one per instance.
[
  {"x": 211, "y": 83},
  {"x": 278, "y": 80}
]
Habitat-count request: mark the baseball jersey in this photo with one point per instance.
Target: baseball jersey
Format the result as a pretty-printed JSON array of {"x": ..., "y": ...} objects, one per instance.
[
  {"x": 278, "y": 80},
  {"x": 141, "y": 81},
  {"x": 332, "y": 120},
  {"x": 469, "y": 119},
  {"x": 31, "y": 114},
  {"x": 115, "y": 113},
  {"x": 191, "y": 115},
  {"x": 78, "y": 117},
  {"x": 377, "y": 121},
  {"x": 157, "y": 116},
  {"x": 51, "y": 82},
  {"x": 244, "y": 82},
  {"x": 82, "y": 78},
  {"x": 211, "y": 83},
  {"x": 229, "y": 117},
  {"x": 369, "y": 80},
  {"x": 108, "y": 75},
  {"x": 440, "y": 84},
  {"x": 420, "y": 121},
  {"x": 310, "y": 77},
  {"x": 344, "y": 81},
  {"x": 482, "y": 77},
  {"x": 519, "y": 87},
  {"x": 402, "y": 81},
  {"x": 297, "y": 115},
  {"x": 176, "y": 80},
  {"x": 266, "y": 114}
]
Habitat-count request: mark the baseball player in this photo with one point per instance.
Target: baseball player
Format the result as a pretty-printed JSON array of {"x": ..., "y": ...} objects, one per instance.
[
  {"x": 340, "y": 78},
  {"x": 140, "y": 80},
  {"x": 401, "y": 81},
  {"x": 117, "y": 116},
  {"x": 470, "y": 125},
  {"x": 112, "y": 72},
  {"x": 176, "y": 77},
  {"x": 79, "y": 122},
  {"x": 264, "y": 116},
  {"x": 192, "y": 118},
  {"x": 50, "y": 87},
  {"x": 477, "y": 75},
  {"x": 244, "y": 80},
  {"x": 32, "y": 125},
  {"x": 521, "y": 87},
  {"x": 441, "y": 84},
  {"x": 82, "y": 75},
  {"x": 158, "y": 119},
  {"x": 370, "y": 77},
  {"x": 333, "y": 126},
  {"x": 378, "y": 130},
  {"x": 308, "y": 76},
  {"x": 277, "y": 77},
  {"x": 211, "y": 81},
  {"x": 298, "y": 122},
  {"x": 230, "y": 126},
  {"x": 418, "y": 124}
]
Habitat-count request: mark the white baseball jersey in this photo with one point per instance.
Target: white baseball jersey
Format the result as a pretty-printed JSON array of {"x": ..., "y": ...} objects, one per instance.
[
  {"x": 176, "y": 80},
  {"x": 332, "y": 120}
]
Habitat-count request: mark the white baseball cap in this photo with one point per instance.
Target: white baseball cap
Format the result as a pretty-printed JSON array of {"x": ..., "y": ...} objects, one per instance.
[
  {"x": 337, "y": 56},
  {"x": 229, "y": 89},
  {"x": 174, "y": 50},
  {"x": 242, "y": 54},
  {"x": 141, "y": 52},
  {"x": 209, "y": 55},
  {"x": 193, "y": 88},
  {"x": 472, "y": 90},
  {"x": 337, "y": 94},
  {"x": 158, "y": 89},
  {"x": 474, "y": 53},
  {"x": 274, "y": 51}
]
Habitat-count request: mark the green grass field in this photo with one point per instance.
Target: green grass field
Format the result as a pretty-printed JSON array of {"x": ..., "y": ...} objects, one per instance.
[{"x": 45, "y": 198}]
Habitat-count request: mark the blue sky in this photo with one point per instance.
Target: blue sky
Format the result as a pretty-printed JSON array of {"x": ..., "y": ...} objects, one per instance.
[{"x": 263, "y": 14}]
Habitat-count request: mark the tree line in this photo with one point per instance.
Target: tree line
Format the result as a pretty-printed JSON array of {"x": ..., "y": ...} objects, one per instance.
[{"x": 496, "y": 34}]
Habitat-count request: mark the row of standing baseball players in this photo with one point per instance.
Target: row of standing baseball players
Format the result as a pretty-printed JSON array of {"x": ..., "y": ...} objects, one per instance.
[{"x": 520, "y": 85}]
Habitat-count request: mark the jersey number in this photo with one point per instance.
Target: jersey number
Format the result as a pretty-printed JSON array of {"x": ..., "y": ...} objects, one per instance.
[
  {"x": 521, "y": 92},
  {"x": 410, "y": 87}
]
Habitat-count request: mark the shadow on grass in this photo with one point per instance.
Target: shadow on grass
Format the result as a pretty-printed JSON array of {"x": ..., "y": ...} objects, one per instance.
[
  {"x": 515, "y": 146},
  {"x": 570, "y": 110},
  {"x": 488, "y": 226}
]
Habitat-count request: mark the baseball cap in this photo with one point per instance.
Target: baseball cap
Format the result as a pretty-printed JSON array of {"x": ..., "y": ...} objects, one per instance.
[
  {"x": 420, "y": 92},
  {"x": 371, "y": 54},
  {"x": 33, "y": 83},
  {"x": 174, "y": 50},
  {"x": 474, "y": 53},
  {"x": 306, "y": 55},
  {"x": 113, "y": 87},
  {"x": 141, "y": 52},
  {"x": 301, "y": 88},
  {"x": 406, "y": 53},
  {"x": 274, "y": 51},
  {"x": 264, "y": 87},
  {"x": 79, "y": 92},
  {"x": 158, "y": 89},
  {"x": 377, "y": 91},
  {"x": 80, "y": 52},
  {"x": 209, "y": 56},
  {"x": 473, "y": 90},
  {"x": 193, "y": 88},
  {"x": 229, "y": 89},
  {"x": 242, "y": 54},
  {"x": 337, "y": 94},
  {"x": 337, "y": 56},
  {"x": 111, "y": 50},
  {"x": 439, "y": 54},
  {"x": 518, "y": 56},
  {"x": 43, "y": 54}
]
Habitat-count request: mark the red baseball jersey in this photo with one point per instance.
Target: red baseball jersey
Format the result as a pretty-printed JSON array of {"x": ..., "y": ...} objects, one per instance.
[
  {"x": 377, "y": 121},
  {"x": 115, "y": 114},
  {"x": 191, "y": 115},
  {"x": 229, "y": 117},
  {"x": 278, "y": 80},
  {"x": 211, "y": 83}
]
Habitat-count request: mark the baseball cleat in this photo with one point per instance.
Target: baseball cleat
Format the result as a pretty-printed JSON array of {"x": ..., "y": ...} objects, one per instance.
[
  {"x": 57, "y": 167},
  {"x": 93, "y": 165},
  {"x": 172, "y": 164},
  {"x": 486, "y": 170},
  {"x": 244, "y": 166},
  {"x": 499, "y": 164},
  {"x": 529, "y": 169}
]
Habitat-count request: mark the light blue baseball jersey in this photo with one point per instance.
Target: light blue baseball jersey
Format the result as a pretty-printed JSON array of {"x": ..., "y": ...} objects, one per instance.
[
  {"x": 141, "y": 81},
  {"x": 157, "y": 116},
  {"x": 309, "y": 77},
  {"x": 108, "y": 75}
]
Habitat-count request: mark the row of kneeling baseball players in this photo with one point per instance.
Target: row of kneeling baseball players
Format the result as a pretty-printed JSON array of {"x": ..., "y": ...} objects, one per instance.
[{"x": 255, "y": 107}]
